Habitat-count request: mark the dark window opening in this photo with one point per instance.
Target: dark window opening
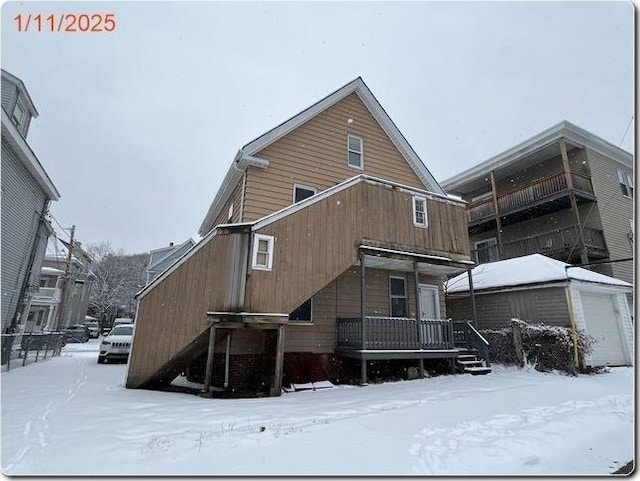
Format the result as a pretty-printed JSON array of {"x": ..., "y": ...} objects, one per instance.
[{"x": 303, "y": 313}]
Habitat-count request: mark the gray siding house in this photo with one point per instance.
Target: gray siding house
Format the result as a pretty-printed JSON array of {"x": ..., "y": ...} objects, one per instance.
[
  {"x": 565, "y": 193},
  {"x": 27, "y": 192},
  {"x": 161, "y": 259}
]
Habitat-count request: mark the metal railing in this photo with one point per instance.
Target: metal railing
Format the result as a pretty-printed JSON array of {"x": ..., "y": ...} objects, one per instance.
[
  {"x": 555, "y": 243},
  {"x": 394, "y": 333},
  {"x": 30, "y": 347},
  {"x": 527, "y": 194}
]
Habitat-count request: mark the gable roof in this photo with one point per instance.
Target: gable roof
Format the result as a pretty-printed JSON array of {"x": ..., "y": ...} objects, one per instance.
[
  {"x": 526, "y": 270},
  {"x": 23, "y": 92},
  {"x": 574, "y": 136},
  {"x": 168, "y": 255},
  {"x": 244, "y": 157}
]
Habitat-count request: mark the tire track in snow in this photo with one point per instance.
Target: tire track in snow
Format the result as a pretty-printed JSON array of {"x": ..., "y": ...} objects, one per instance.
[{"x": 507, "y": 443}]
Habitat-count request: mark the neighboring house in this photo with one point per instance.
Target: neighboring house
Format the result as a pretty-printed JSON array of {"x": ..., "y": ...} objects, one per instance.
[
  {"x": 564, "y": 193},
  {"x": 27, "y": 192},
  {"x": 76, "y": 291},
  {"x": 328, "y": 240},
  {"x": 161, "y": 259},
  {"x": 538, "y": 288},
  {"x": 46, "y": 301}
]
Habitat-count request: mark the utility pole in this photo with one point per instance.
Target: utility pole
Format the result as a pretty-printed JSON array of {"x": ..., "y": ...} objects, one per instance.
[{"x": 64, "y": 303}]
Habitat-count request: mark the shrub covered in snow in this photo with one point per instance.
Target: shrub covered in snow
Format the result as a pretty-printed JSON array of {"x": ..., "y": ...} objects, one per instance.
[{"x": 545, "y": 347}]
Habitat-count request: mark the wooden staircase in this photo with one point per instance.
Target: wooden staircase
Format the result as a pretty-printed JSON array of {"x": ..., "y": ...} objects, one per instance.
[{"x": 470, "y": 363}]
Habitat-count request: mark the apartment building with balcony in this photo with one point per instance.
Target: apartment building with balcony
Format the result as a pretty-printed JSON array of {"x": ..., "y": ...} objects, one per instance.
[
  {"x": 565, "y": 193},
  {"x": 45, "y": 302}
]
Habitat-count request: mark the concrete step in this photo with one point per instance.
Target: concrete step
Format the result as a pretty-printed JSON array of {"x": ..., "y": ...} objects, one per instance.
[{"x": 477, "y": 370}]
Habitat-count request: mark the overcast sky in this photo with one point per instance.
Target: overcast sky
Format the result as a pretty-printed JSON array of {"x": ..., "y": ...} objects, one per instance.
[{"x": 138, "y": 127}]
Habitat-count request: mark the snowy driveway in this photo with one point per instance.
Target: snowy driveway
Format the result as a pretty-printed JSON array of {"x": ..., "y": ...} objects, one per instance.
[{"x": 69, "y": 415}]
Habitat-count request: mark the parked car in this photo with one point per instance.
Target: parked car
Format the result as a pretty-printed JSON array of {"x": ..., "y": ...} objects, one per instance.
[
  {"x": 117, "y": 344},
  {"x": 122, "y": 320},
  {"x": 94, "y": 328},
  {"x": 76, "y": 333}
]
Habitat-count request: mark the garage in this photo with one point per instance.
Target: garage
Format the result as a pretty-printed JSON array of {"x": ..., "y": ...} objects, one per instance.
[{"x": 540, "y": 289}]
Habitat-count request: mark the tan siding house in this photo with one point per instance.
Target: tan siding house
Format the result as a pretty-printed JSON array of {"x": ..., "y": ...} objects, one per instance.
[{"x": 312, "y": 250}]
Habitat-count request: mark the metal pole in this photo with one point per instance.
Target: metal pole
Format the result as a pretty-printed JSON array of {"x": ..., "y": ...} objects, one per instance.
[{"x": 226, "y": 360}]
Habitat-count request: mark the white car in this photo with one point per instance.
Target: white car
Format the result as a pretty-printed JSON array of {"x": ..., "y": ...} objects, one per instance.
[{"x": 117, "y": 344}]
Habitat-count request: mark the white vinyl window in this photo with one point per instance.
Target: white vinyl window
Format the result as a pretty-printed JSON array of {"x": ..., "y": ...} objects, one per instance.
[
  {"x": 419, "y": 211},
  {"x": 354, "y": 152},
  {"x": 302, "y": 192},
  {"x": 262, "y": 252},
  {"x": 626, "y": 183},
  {"x": 230, "y": 213}
]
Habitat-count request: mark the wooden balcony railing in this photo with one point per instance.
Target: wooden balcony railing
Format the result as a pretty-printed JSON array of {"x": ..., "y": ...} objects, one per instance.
[
  {"x": 528, "y": 194},
  {"x": 558, "y": 243},
  {"x": 394, "y": 333}
]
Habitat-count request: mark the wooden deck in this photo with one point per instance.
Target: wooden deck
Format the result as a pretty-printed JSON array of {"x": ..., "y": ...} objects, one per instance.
[{"x": 401, "y": 338}]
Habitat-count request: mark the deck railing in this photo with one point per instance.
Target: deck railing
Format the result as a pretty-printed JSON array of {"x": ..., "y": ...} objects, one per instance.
[
  {"x": 394, "y": 333},
  {"x": 528, "y": 194},
  {"x": 554, "y": 243},
  {"x": 465, "y": 335}
]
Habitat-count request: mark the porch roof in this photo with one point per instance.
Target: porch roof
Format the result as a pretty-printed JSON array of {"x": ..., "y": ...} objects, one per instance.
[{"x": 384, "y": 258}]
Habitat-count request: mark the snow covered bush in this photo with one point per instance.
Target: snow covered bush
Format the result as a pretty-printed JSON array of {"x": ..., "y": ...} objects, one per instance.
[{"x": 545, "y": 347}]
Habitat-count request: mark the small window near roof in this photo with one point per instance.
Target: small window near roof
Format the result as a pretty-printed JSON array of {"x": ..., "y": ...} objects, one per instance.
[
  {"x": 419, "y": 211},
  {"x": 302, "y": 192},
  {"x": 626, "y": 183},
  {"x": 354, "y": 151},
  {"x": 304, "y": 312},
  {"x": 18, "y": 114},
  {"x": 230, "y": 213},
  {"x": 262, "y": 252}
]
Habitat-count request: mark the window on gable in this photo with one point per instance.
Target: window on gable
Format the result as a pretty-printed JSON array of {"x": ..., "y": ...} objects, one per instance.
[
  {"x": 354, "y": 151},
  {"x": 262, "y": 252},
  {"x": 230, "y": 213},
  {"x": 304, "y": 312},
  {"x": 626, "y": 183},
  {"x": 18, "y": 115},
  {"x": 302, "y": 192},
  {"x": 398, "y": 296},
  {"x": 419, "y": 211}
]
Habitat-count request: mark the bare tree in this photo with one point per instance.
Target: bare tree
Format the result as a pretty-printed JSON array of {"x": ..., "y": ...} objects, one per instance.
[{"x": 118, "y": 277}]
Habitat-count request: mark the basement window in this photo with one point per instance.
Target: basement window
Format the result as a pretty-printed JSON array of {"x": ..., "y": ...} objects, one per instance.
[
  {"x": 419, "y": 211},
  {"x": 398, "y": 296},
  {"x": 354, "y": 152},
  {"x": 262, "y": 252},
  {"x": 626, "y": 183},
  {"x": 304, "y": 312}
]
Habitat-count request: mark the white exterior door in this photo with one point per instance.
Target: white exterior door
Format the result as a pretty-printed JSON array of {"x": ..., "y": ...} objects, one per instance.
[
  {"x": 430, "y": 309},
  {"x": 603, "y": 323}
]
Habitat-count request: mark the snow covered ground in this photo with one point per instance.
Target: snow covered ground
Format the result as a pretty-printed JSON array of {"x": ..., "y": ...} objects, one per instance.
[{"x": 69, "y": 415}]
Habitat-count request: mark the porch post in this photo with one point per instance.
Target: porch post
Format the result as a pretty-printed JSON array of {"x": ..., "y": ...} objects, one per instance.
[
  {"x": 418, "y": 315},
  {"x": 226, "y": 359},
  {"x": 584, "y": 258},
  {"x": 494, "y": 192},
  {"x": 473, "y": 297},
  {"x": 276, "y": 389},
  {"x": 209, "y": 370},
  {"x": 363, "y": 319}
]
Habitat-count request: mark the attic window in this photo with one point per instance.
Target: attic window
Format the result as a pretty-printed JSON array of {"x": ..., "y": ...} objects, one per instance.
[
  {"x": 419, "y": 211},
  {"x": 354, "y": 152},
  {"x": 626, "y": 183},
  {"x": 230, "y": 213},
  {"x": 262, "y": 252},
  {"x": 18, "y": 114}
]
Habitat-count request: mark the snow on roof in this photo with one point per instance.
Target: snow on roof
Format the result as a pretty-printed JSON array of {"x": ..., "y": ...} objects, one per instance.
[{"x": 531, "y": 269}]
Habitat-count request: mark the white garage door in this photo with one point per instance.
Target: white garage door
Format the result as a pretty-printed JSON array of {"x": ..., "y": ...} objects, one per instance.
[{"x": 603, "y": 324}]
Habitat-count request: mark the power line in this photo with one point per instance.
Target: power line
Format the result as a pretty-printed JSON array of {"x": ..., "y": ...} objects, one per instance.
[{"x": 627, "y": 130}]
